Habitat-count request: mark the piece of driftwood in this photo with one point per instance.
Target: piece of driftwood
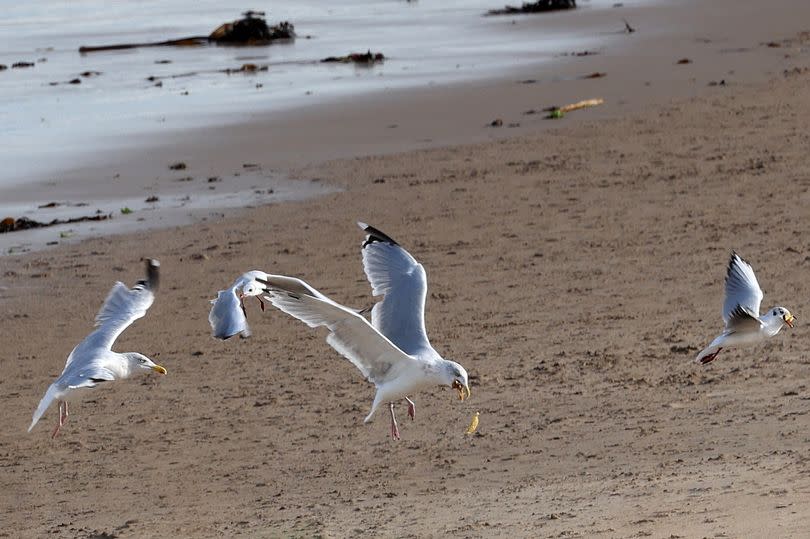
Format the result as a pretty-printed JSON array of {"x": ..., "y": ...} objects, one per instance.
[
  {"x": 541, "y": 6},
  {"x": 251, "y": 29},
  {"x": 9, "y": 224},
  {"x": 364, "y": 58}
]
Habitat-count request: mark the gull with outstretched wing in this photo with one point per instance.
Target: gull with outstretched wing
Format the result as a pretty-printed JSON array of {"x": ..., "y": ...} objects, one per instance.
[
  {"x": 392, "y": 351},
  {"x": 744, "y": 325},
  {"x": 92, "y": 362}
]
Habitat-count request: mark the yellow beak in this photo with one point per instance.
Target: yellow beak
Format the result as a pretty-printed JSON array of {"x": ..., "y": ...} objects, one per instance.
[
  {"x": 461, "y": 389},
  {"x": 789, "y": 318},
  {"x": 158, "y": 368}
]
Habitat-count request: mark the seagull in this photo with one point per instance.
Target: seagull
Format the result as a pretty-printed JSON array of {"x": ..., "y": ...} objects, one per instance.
[
  {"x": 393, "y": 351},
  {"x": 744, "y": 325},
  {"x": 228, "y": 315},
  {"x": 92, "y": 362}
]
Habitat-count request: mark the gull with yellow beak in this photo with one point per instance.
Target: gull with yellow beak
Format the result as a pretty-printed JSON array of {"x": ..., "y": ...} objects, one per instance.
[
  {"x": 92, "y": 362},
  {"x": 393, "y": 351},
  {"x": 744, "y": 325}
]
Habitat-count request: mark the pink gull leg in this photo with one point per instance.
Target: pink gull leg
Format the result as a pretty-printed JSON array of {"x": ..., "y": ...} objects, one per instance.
[
  {"x": 411, "y": 409},
  {"x": 394, "y": 428}
]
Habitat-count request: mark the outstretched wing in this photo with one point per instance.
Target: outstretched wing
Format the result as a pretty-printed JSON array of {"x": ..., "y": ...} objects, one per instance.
[
  {"x": 122, "y": 307},
  {"x": 351, "y": 334},
  {"x": 401, "y": 280},
  {"x": 743, "y": 295},
  {"x": 227, "y": 316}
]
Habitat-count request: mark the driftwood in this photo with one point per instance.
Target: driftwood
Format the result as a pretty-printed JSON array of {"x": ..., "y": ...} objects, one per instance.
[
  {"x": 365, "y": 58},
  {"x": 9, "y": 224},
  {"x": 541, "y": 6},
  {"x": 251, "y": 29}
]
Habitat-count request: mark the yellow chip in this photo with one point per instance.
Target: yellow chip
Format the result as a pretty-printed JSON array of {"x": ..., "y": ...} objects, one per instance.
[{"x": 473, "y": 424}]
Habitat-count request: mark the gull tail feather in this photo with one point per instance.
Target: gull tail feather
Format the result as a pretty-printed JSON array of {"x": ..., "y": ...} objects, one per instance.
[{"x": 46, "y": 401}]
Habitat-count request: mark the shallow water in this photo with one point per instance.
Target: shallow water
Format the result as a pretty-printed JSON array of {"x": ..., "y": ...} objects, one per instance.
[{"x": 49, "y": 128}]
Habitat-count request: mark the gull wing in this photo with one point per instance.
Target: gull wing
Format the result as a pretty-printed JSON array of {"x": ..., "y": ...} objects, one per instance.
[
  {"x": 350, "y": 334},
  {"x": 741, "y": 321},
  {"x": 742, "y": 290},
  {"x": 121, "y": 308},
  {"x": 401, "y": 280},
  {"x": 227, "y": 316}
]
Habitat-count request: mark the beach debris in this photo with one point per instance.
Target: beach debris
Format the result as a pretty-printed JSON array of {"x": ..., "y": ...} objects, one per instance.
[
  {"x": 497, "y": 122},
  {"x": 627, "y": 28},
  {"x": 715, "y": 83},
  {"x": 683, "y": 61},
  {"x": 88, "y": 74},
  {"x": 3, "y": 67},
  {"x": 163, "y": 61},
  {"x": 126, "y": 210},
  {"x": 251, "y": 29},
  {"x": 595, "y": 75},
  {"x": 559, "y": 112},
  {"x": 75, "y": 81},
  {"x": 541, "y": 6},
  {"x": 17, "y": 65},
  {"x": 177, "y": 166},
  {"x": 214, "y": 179},
  {"x": 152, "y": 198},
  {"x": 362, "y": 58},
  {"x": 473, "y": 424},
  {"x": 50, "y": 205},
  {"x": 10, "y": 224},
  {"x": 245, "y": 68}
]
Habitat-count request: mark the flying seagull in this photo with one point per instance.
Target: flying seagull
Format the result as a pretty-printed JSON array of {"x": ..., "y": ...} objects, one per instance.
[
  {"x": 744, "y": 325},
  {"x": 93, "y": 362},
  {"x": 228, "y": 315},
  {"x": 392, "y": 352}
]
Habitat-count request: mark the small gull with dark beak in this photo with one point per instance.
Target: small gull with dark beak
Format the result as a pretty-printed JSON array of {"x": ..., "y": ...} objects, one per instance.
[{"x": 744, "y": 324}]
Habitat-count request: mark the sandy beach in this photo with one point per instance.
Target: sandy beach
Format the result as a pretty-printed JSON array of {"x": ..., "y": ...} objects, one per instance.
[{"x": 575, "y": 269}]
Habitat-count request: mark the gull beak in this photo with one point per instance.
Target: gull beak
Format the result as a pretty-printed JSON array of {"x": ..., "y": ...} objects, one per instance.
[
  {"x": 789, "y": 318},
  {"x": 158, "y": 368},
  {"x": 461, "y": 389}
]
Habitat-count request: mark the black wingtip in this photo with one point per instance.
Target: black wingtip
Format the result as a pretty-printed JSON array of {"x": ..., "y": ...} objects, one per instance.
[
  {"x": 152, "y": 273},
  {"x": 373, "y": 235}
]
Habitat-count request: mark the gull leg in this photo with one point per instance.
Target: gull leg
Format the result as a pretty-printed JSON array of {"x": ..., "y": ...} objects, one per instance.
[
  {"x": 394, "y": 428},
  {"x": 411, "y": 408},
  {"x": 62, "y": 416},
  {"x": 260, "y": 302}
]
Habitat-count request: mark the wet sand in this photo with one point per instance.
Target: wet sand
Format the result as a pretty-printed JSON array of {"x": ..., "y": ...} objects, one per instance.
[{"x": 575, "y": 272}]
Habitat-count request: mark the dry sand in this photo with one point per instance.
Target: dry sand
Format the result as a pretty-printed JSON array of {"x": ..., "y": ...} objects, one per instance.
[{"x": 575, "y": 273}]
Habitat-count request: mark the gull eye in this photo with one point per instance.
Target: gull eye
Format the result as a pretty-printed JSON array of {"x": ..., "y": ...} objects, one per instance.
[
  {"x": 774, "y": 313},
  {"x": 142, "y": 360}
]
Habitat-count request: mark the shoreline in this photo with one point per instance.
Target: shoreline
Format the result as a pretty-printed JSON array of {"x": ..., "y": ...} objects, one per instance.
[{"x": 640, "y": 70}]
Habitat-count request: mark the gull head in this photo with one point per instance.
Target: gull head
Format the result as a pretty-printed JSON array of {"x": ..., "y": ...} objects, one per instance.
[
  {"x": 780, "y": 314},
  {"x": 251, "y": 288},
  {"x": 139, "y": 362},
  {"x": 456, "y": 377}
]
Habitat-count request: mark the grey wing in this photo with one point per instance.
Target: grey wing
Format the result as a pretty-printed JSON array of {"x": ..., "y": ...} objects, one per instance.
[
  {"x": 741, "y": 321},
  {"x": 121, "y": 308},
  {"x": 742, "y": 289},
  {"x": 350, "y": 334},
  {"x": 227, "y": 316},
  {"x": 401, "y": 280}
]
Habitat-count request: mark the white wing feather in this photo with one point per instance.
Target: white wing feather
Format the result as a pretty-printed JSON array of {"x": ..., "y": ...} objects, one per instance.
[
  {"x": 742, "y": 290},
  {"x": 401, "y": 280},
  {"x": 351, "y": 335},
  {"x": 227, "y": 318}
]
